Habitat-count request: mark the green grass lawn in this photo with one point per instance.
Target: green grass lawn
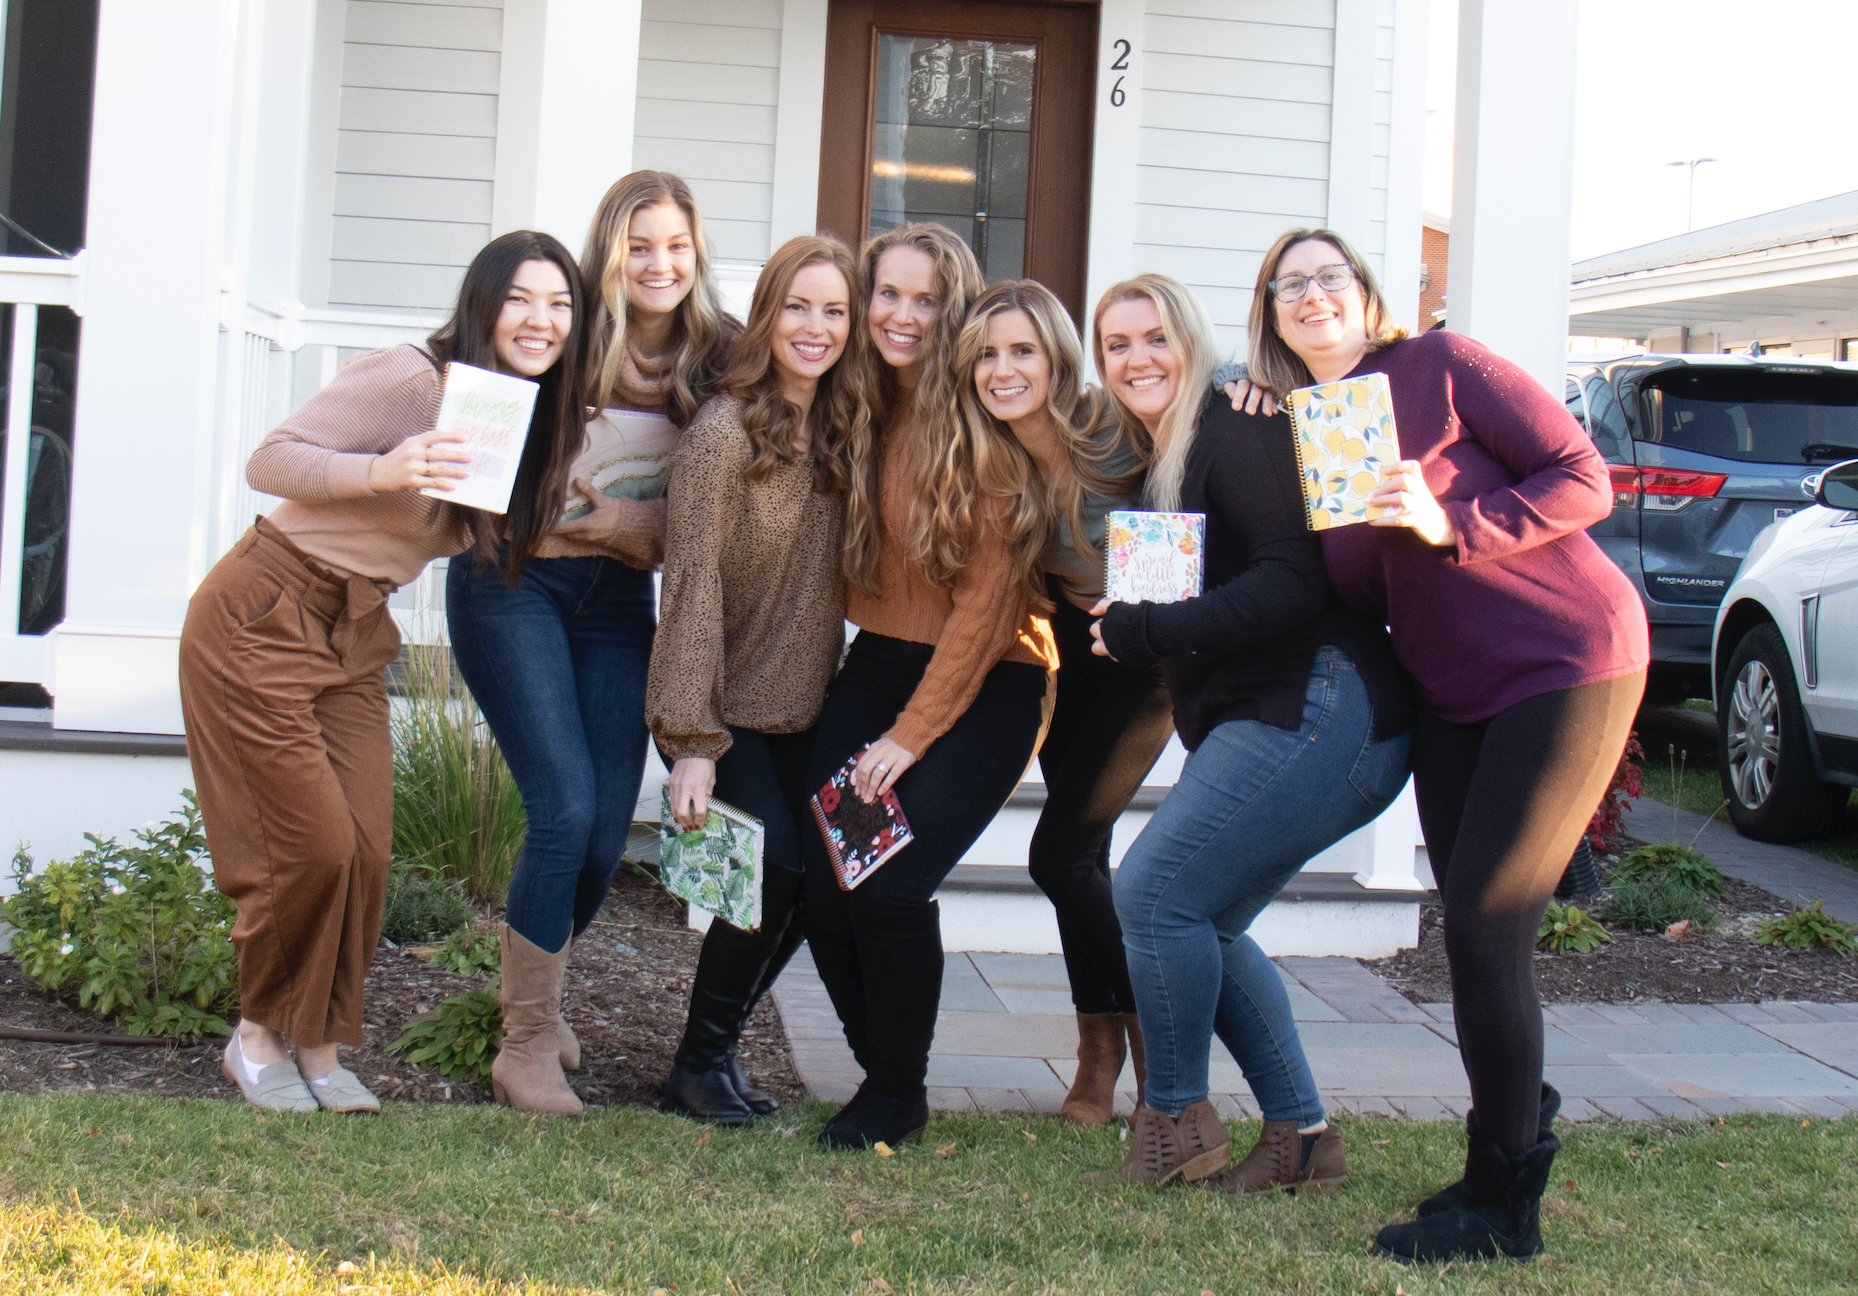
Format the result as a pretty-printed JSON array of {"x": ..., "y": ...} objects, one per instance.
[{"x": 112, "y": 1195}]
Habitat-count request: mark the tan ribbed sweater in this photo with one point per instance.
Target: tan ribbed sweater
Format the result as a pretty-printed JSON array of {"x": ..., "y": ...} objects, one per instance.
[
  {"x": 752, "y": 613},
  {"x": 318, "y": 460},
  {"x": 983, "y": 620}
]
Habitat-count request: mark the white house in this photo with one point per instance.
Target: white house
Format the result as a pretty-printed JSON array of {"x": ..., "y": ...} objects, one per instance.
[{"x": 255, "y": 188}]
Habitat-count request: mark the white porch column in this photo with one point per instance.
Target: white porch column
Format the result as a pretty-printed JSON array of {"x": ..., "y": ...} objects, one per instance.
[
  {"x": 566, "y": 104},
  {"x": 1351, "y": 124},
  {"x": 797, "y": 121},
  {"x": 161, "y": 152},
  {"x": 1115, "y": 151},
  {"x": 1389, "y": 845},
  {"x": 1513, "y": 179}
]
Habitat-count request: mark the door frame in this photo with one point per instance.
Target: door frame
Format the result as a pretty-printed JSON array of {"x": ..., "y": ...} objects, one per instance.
[{"x": 1061, "y": 152}]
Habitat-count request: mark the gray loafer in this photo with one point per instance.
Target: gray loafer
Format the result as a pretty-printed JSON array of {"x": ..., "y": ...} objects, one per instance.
[
  {"x": 342, "y": 1091},
  {"x": 280, "y": 1085}
]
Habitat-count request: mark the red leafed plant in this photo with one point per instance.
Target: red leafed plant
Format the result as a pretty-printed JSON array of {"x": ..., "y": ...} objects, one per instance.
[{"x": 1609, "y": 821}]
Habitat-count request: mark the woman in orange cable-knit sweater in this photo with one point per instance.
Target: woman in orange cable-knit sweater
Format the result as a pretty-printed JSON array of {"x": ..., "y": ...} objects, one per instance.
[{"x": 945, "y": 682}]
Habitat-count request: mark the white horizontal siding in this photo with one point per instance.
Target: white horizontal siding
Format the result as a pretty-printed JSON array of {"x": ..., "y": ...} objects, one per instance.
[
  {"x": 1234, "y": 139},
  {"x": 416, "y": 150},
  {"x": 709, "y": 83}
]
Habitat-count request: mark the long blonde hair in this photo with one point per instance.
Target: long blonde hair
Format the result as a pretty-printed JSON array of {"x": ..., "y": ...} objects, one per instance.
[
  {"x": 1190, "y": 336},
  {"x": 702, "y": 330},
  {"x": 768, "y": 417},
  {"x": 1272, "y": 363},
  {"x": 951, "y": 468},
  {"x": 1077, "y": 411}
]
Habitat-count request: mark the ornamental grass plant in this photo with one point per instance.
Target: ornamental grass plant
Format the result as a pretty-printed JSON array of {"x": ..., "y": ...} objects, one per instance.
[{"x": 457, "y": 809}]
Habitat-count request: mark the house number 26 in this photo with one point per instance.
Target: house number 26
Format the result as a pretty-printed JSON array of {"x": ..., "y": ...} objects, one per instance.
[{"x": 1117, "y": 98}]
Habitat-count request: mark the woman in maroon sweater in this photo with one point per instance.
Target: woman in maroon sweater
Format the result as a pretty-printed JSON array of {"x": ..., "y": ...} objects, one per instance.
[{"x": 1528, "y": 648}]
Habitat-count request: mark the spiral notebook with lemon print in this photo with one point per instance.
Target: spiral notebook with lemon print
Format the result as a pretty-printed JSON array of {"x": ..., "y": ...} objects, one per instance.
[{"x": 1345, "y": 439}]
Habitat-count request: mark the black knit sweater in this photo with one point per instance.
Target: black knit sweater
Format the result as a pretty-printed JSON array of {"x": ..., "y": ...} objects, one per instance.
[{"x": 1243, "y": 649}]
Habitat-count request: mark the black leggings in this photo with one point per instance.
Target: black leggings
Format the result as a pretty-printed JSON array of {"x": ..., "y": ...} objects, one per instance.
[
  {"x": 1109, "y": 726},
  {"x": 765, "y": 775},
  {"x": 1503, "y": 805},
  {"x": 879, "y": 947}
]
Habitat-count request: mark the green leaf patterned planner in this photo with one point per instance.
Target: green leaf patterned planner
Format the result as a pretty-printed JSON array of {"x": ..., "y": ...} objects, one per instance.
[{"x": 718, "y": 866}]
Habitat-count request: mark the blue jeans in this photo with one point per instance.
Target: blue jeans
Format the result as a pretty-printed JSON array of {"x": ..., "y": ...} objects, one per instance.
[
  {"x": 1252, "y": 805},
  {"x": 558, "y": 667}
]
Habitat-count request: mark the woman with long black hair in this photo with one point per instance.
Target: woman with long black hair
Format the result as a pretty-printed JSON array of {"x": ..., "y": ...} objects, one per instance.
[
  {"x": 1025, "y": 376},
  {"x": 286, "y": 640},
  {"x": 552, "y": 622},
  {"x": 943, "y": 691}
]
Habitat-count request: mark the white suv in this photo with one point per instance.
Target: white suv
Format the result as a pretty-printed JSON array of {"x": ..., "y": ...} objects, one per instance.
[{"x": 1785, "y": 661}]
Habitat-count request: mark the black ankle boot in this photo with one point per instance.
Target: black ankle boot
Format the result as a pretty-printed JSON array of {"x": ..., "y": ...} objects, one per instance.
[
  {"x": 1446, "y": 1198},
  {"x": 762, "y": 1104},
  {"x": 1499, "y": 1213},
  {"x": 871, "y": 1118},
  {"x": 705, "y": 1096}
]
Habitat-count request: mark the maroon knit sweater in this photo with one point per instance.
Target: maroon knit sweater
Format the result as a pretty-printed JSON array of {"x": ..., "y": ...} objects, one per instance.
[{"x": 1526, "y": 603}]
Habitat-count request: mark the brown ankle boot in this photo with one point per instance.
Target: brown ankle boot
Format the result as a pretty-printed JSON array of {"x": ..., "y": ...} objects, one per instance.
[
  {"x": 527, "y": 1073},
  {"x": 1276, "y": 1162},
  {"x": 1190, "y": 1146},
  {"x": 1099, "y": 1062},
  {"x": 570, "y": 1043},
  {"x": 1132, "y": 1027}
]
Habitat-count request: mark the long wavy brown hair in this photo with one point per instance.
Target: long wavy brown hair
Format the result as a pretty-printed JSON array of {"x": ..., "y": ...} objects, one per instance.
[
  {"x": 702, "y": 331},
  {"x": 768, "y": 417},
  {"x": 1081, "y": 414},
  {"x": 1272, "y": 363},
  {"x": 558, "y": 426},
  {"x": 1190, "y": 335},
  {"x": 949, "y": 469}
]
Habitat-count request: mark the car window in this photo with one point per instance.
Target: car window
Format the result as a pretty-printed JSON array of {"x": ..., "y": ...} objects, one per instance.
[
  {"x": 1752, "y": 415},
  {"x": 1577, "y": 404},
  {"x": 1606, "y": 418}
]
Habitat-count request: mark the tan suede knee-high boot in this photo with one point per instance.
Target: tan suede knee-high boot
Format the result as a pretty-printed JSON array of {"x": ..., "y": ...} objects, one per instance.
[
  {"x": 570, "y": 1043},
  {"x": 1132, "y": 1026},
  {"x": 527, "y": 1073},
  {"x": 1100, "y": 1052}
]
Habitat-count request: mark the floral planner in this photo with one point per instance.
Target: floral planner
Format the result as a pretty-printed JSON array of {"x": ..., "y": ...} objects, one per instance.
[
  {"x": 859, "y": 834},
  {"x": 1157, "y": 557},
  {"x": 716, "y": 867}
]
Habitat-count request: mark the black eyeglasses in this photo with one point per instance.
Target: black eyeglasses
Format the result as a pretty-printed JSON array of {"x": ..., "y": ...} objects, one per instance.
[{"x": 1331, "y": 278}]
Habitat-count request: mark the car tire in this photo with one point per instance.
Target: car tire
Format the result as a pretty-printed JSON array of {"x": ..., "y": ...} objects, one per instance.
[{"x": 1762, "y": 747}]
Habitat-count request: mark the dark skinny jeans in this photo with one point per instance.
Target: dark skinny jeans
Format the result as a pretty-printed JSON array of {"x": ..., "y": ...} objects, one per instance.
[
  {"x": 1108, "y": 728},
  {"x": 1503, "y": 804},
  {"x": 557, "y": 665},
  {"x": 878, "y": 947}
]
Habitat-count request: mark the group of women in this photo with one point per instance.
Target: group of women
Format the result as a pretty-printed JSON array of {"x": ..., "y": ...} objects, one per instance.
[{"x": 890, "y": 441}]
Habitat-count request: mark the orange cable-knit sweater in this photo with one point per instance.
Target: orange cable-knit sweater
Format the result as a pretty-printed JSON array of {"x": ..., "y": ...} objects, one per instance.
[{"x": 981, "y": 621}]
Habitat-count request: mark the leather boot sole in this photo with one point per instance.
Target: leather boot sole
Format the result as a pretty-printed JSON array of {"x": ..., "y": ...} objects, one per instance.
[{"x": 703, "y": 1118}]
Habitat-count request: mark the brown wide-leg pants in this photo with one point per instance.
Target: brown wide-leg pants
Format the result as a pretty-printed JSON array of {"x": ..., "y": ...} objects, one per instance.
[{"x": 287, "y": 730}]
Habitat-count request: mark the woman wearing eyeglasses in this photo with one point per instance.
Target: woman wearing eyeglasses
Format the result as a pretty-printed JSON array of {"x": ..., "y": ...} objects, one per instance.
[{"x": 1528, "y": 649}]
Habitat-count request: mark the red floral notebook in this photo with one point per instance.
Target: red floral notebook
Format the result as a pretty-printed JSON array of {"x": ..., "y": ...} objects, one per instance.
[{"x": 859, "y": 834}]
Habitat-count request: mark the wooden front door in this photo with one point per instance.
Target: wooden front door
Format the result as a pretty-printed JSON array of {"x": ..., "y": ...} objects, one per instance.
[{"x": 975, "y": 115}]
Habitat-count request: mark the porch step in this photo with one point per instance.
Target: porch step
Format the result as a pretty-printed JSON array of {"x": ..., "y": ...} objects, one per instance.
[
  {"x": 1304, "y": 888},
  {"x": 38, "y": 736}
]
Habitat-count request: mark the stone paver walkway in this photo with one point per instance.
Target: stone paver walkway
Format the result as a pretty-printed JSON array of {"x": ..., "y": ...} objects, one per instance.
[
  {"x": 1006, "y": 1040},
  {"x": 1790, "y": 873}
]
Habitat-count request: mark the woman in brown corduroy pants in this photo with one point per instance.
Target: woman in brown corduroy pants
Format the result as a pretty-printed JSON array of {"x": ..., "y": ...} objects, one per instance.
[{"x": 285, "y": 642}]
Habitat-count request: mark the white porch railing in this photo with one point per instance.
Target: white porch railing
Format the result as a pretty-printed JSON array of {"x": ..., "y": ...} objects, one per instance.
[
  {"x": 26, "y": 284},
  {"x": 281, "y": 353}
]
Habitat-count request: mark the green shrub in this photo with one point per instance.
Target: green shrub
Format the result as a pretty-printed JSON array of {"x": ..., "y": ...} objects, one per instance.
[
  {"x": 1672, "y": 863},
  {"x": 422, "y": 905},
  {"x": 1810, "y": 928},
  {"x": 469, "y": 950},
  {"x": 1653, "y": 905},
  {"x": 139, "y": 928},
  {"x": 456, "y": 807},
  {"x": 1568, "y": 929},
  {"x": 460, "y": 1037}
]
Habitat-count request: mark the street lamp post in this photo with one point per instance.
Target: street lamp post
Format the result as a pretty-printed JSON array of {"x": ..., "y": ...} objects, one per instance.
[{"x": 1690, "y": 204}]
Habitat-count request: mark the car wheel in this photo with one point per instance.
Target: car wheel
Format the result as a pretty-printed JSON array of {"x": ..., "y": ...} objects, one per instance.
[{"x": 1762, "y": 754}]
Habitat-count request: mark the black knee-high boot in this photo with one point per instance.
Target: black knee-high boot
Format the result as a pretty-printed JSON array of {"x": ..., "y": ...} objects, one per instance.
[
  {"x": 1446, "y": 1198},
  {"x": 901, "y": 955},
  {"x": 758, "y": 1101}
]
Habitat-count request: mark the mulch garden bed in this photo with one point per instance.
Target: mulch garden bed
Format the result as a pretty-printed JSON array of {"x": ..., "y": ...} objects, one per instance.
[
  {"x": 627, "y": 990},
  {"x": 1726, "y": 966}
]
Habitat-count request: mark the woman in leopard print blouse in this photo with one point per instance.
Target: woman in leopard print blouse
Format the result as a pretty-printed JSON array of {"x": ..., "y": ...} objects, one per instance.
[{"x": 751, "y": 627}]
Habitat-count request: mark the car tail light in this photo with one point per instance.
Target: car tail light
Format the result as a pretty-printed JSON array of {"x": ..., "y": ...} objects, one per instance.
[{"x": 1664, "y": 490}]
